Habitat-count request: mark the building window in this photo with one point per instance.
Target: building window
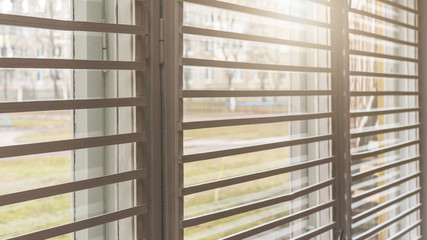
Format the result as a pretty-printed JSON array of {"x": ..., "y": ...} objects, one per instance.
[
  {"x": 40, "y": 52},
  {"x": 188, "y": 78},
  {"x": 209, "y": 18},
  {"x": 209, "y": 47},
  {"x": 187, "y": 48},
  {"x": 39, "y": 77},
  {"x": 23, "y": 77},
  {"x": 4, "y": 51},
  {"x": 209, "y": 75},
  {"x": 239, "y": 76},
  {"x": 24, "y": 52},
  {"x": 57, "y": 51}
]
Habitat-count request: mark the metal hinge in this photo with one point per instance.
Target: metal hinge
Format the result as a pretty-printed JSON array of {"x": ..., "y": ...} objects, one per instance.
[
  {"x": 162, "y": 41},
  {"x": 147, "y": 36},
  {"x": 338, "y": 233}
]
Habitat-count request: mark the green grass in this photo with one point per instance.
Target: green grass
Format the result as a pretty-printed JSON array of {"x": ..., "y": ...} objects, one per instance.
[
  {"x": 210, "y": 170},
  {"x": 257, "y": 186},
  {"x": 206, "y": 229},
  {"x": 214, "y": 169},
  {"x": 35, "y": 215},
  {"x": 240, "y": 132},
  {"x": 53, "y": 169},
  {"x": 25, "y": 173},
  {"x": 45, "y": 119},
  {"x": 30, "y": 123},
  {"x": 38, "y": 214},
  {"x": 34, "y": 167}
]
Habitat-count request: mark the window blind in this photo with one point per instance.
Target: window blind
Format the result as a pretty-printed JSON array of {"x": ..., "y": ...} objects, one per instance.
[
  {"x": 132, "y": 65},
  {"x": 266, "y": 132},
  {"x": 255, "y": 118},
  {"x": 384, "y": 119}
]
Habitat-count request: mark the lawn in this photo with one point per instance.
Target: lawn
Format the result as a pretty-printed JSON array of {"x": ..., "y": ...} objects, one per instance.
[
  {"x": 221, "y": 168},
  {"x": 41, "y": 119},
  {"x": 30, "y": 172},
  {"x": 25, "y": 173}
]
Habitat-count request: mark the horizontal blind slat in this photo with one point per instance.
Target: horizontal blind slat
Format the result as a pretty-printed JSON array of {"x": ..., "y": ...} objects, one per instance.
[
  {"x": 382, "y": 111},
  {"x": 382, "y": 37},
  {"x": 282, "y": 221},
  {"x": 251, "y": 93},
  {"x": 50, "y": 63},
  {"x": 382, "y": 75},
  {"x": 384, "y": 187},
  {"x": 253, "y": 176},
  {"x": 249, "y": 37},
  {"x": 384, "y": 205},
  {"x": 405, "y": 230},
  {"x": 398, "y": 5},
  {"x": 253, "y": 66},
  {"x": 360, "y": 175},
  {"x": 59, "y": 189},
  {"x": 54, "y": 24},
  {"x": 378, "y": 151},
  {"x": 383, "y": 93},
  {"x": 258, "y": 12},
  {"x": 83, "y": 224},
  {"x": 316, "y": 232},
  {"x": 72, "y": 144},
  {"x": 384, "y": 225},
  {"x": 254, "y": 148},
  {"x": 381, "y": 18},
  {"x": 384, "y": 56},
  {"x": 381, "y": 131},
  {"x": 255, "y": 205},
  {"x": 32, "y": 106},
  {"x": 253, "y": 120}
]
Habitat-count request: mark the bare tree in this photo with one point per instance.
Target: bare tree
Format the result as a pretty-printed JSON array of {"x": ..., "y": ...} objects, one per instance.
[
  {"x": 49, "y": 41},
  {"x": 229, "y": 49}
]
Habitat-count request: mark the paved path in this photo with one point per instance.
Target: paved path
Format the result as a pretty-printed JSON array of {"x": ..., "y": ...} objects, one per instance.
[{"x": 7, "y": 137}]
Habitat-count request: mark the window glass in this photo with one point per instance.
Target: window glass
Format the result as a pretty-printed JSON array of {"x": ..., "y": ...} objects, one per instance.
[{"x": 385, "y": 122}]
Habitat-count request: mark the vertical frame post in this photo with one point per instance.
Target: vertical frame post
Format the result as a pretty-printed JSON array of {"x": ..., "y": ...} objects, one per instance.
[
  {"x": 172, "y": 115},
  {"x": 140, "y": 121},
  {"x": 422, "y": 23},
  {"x": 154, "y": 128},
  {"x": 341, "y": 123}
]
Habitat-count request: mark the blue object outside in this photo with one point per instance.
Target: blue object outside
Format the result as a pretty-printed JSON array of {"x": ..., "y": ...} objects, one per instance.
[{"x": 8, "y": 122}]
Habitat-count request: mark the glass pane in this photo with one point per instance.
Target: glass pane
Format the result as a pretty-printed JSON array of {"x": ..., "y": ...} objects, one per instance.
[
  {"x": 384, "y": 159},
  {"x": 251, "y": 61},
  {"x": 31, "y": 172},
  {"x": 23, "y": 218}
]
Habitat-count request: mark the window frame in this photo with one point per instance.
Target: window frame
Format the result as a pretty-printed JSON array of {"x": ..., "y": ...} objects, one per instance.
[
  {"x": 422, "y": 88},
  {"x": 164, "y": 145},
  {"x": 146, "y": 137},
  {"x": 172, "y": 146}
]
